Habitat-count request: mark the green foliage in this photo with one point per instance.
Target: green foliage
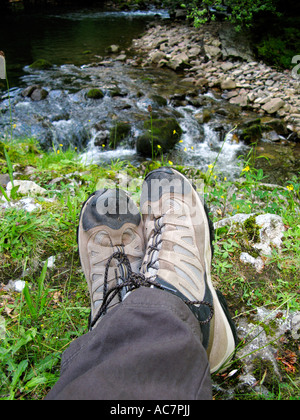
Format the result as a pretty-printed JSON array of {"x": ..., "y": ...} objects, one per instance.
[
  {"x": 21, "y": 232},
  {"x": 37, "y": 305},
  {"x": 53, "y": 308},
  {"x": 243, "y": 13},
  {"x": 277, "y": 49},
  {"x": 203, "y": 13}
]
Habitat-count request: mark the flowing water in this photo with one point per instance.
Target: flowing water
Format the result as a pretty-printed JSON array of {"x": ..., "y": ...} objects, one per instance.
[{"x": 76, "y": 44}]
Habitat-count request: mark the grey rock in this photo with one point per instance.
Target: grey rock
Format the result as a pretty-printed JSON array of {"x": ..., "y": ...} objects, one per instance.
[{"x": 273, "y": 105}]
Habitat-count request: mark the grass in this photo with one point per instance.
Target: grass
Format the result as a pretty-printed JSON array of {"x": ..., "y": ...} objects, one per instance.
[{"x": 36, "y": 326}]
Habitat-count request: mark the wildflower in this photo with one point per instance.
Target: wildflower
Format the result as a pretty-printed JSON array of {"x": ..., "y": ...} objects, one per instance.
[
  {"x": 103, "y": 145},
  {"x": 170, "y": 162},
  {"x": 192, "y": 147},
  {"x": 290, "y": 187},
  {"x": 225, "y": 179},
  {"x": 180, "y": 141},
  {"x": 174, "y": 132},
  {"x": 215, "y": 177},
  {"x": 75, "y": 148},
  {"x": 61, "y": 145},
  {"x": 15, "y": 125},
  {"x": 210, "y": 166},
  {"x": 58, "y": 152},
  {"x": 149, "y": 108},
  {"x": 159, "y": 146},
  {"x": 185, "y": 149},
  {"x": 247, "y": 169}
]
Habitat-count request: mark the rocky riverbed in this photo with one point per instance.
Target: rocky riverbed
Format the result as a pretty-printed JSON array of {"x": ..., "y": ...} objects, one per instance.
[{"x": 216, "y": 57}]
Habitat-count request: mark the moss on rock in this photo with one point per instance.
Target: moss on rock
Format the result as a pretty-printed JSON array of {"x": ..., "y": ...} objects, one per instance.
[
  {"x": 40, "y": 64},
  {"x": 95, "y": 94}
]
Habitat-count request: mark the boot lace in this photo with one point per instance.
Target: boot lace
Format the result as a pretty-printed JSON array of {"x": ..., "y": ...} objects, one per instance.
[{"x": 131, "y": 282}]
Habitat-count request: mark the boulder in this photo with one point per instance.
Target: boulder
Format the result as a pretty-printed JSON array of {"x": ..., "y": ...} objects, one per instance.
[
  {"x": 165, "y": 133},
  {"x": 118, "y": 132},
  {"x": 235, "y": 44},
  {"x": 95, "y": 94},
  {"x": 41, "y": 64}
]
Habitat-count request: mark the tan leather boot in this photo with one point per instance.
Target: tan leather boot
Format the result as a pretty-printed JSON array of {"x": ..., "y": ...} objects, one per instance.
[
  {"x": 111, "y": 246},
  {"x": 178, "y": 256}
]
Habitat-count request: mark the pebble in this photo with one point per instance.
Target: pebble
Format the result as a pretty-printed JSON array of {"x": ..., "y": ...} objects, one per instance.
[{"x": 199, "y": 51}]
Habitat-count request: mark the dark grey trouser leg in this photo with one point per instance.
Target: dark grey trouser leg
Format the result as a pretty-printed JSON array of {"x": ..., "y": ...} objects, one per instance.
[{"x": 146, "y": 348}]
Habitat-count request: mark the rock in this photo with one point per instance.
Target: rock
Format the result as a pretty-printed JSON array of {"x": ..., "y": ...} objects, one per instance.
[
  {"x": 113, "y": 49},
  {"x": 204, "y": 116},
  {"x": 252, "y": 133},
  {"x": 157, "y": 56},
  {"x": 235, "y": 44},
  {"x": 39, "y": 94},
  {"x": 51, "y": 261},
  {"x": 15, "y": 286},
  {"x": 28, "y": 204},
  {"x": 273, "y": 105},
  {"x": 228, "y": 84},
  {"x": 121, "y": 57},
  {"x": 35, "y": 92},
  {"x": 227, "y": 66},
  {"x": 102, "y": 138},
  {"x": 4, "y": 180},
  {"x": 41, "y": 64},
  {"x": 265, "y": 231},
  {"x": 118, "y": 133},
  {"x": 271, "y": 232},
  {"x": 240, "y": 100},
  {"x": 28, "y": 91},
  {"x": 212, "y": 52},
  {"x": 158, "y": 101},
  {"x": 202, "y": 82},
  {"x": 26, "y": 188},
  {"x": 165, "y": 132},
  {"x": 260, "y": 342},
  {"x": 194, "y": 52},
  {"x": 95, "y": 94},
  {"x": 178, "y": 61},
  {"x": 256, "y": 262}
]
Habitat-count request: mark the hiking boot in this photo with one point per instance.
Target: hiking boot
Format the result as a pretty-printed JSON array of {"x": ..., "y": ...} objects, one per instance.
[
  {"x": 178, "y": 256},
  {"x": 111, "y": 247}
]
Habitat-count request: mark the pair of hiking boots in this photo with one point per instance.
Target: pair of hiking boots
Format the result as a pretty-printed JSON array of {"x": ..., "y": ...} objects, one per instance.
[{"x": 168, "y": 245}]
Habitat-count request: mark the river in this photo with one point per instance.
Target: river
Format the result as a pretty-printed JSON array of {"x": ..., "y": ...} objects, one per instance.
[{"x": 76, "y": 44}]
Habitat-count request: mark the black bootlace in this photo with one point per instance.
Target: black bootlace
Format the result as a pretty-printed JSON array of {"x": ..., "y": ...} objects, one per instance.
[{"x": 133, "y": 281}]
